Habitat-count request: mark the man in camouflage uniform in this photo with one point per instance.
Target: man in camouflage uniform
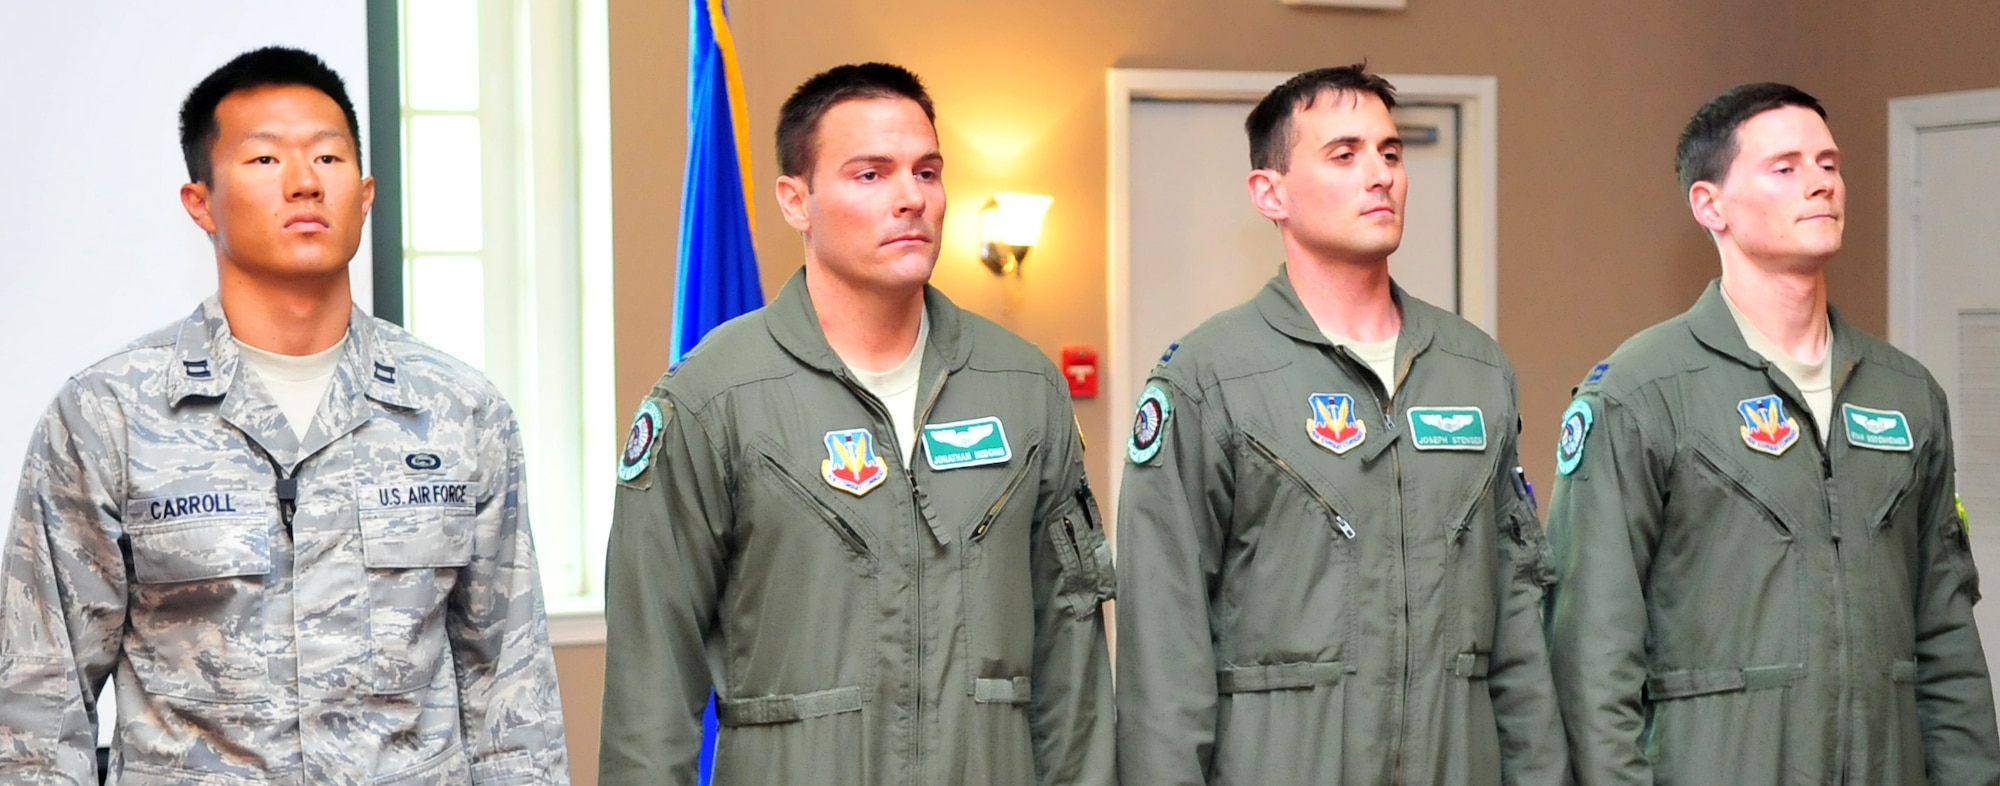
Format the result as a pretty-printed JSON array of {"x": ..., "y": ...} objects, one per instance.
[
  {"x": 1764, "y": 576},
  {"x": 323, "y": 578},
  {"x": 1330, "y": 569},
  {"x": 858, "y": 515}
]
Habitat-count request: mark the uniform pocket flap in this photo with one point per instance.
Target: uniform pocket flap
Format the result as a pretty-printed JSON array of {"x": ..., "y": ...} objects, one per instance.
[
  {"x": 417, "y": 538},
  {"x": 786, "y": 708},
  {"x": 203, "y": 549},
  {"x": 1702, "y": 682},
  {"x": 1280, "y": 676},
  {"x": 1016, "y": 690}
]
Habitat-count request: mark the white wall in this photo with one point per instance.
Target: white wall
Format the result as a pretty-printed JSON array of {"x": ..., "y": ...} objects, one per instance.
[{"x": 95, "y": 249}]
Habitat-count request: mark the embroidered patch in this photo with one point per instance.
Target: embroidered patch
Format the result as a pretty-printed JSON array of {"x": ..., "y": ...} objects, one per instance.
[
  {"x": 1964, "y": 521},
  {"x": 851, "y": 464},
  {"x": 1597, "y": 373},
  {"x": 1766, "y": 427},
  {"x": 423, "y": 462},
  {"x": 639, "y": 441},
  {"x": 1149, "y": 425},
  {"x": 1877, "y": 429},
  {"x": 966, "y": 443},
  {"x": 1447, "y": 428},
  {"x": 385, "y": 373},
  {"x": 1334, "y": 425},
  {"x": 1575, "y": 426},
  {"x": 1169, "y": 354},
  {"x": 196, "y": 369}
]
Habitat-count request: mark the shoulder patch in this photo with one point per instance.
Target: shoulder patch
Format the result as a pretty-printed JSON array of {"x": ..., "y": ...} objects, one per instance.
[
  {"x": 1964, "y": 521},
  {"x": 1149, "y": 425},
  {"x": 1596, "y": 373},
  {"x": 1575, "y": 426},
  {"x": 1169, "y": 354},
  {"x": 644, "y": 439}
]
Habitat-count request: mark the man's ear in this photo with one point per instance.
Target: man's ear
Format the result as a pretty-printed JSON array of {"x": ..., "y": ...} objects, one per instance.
[
  {"x": 1267, "y": 193},
  {"x": 194, "y": 197},
  {"x": 367, "y": 195},
  {"x": 792, "y": 195},
  {"x": 1702, "y": 199}
]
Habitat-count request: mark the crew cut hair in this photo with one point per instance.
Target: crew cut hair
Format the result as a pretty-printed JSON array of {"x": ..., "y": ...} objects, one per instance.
[
  {"x": 1708, "y": 143},
  {"x": 266, "y": 67},
  {"x": 1270, "y": 126},
  {"x": 798, "y": 120}
]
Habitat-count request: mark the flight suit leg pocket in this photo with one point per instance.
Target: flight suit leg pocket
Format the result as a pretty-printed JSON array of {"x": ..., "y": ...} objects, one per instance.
[
  {"x": 413, "y": 557},
  {"x": 196, "y": 627},
  {"x": 1087, "y": 577}
]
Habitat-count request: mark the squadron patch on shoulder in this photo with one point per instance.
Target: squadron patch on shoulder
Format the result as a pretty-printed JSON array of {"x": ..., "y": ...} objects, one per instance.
[
  {"x": 1149, "y": 425},
  {"x": 639, "y": 442},
  {"x": 1575, "y": 426},
  {"x": 1964, "y": 521}
]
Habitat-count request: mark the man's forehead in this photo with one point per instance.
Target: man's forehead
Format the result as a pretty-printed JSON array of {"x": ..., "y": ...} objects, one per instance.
[
  {"x": 876, "y": 128},
  {"x": 1344, "y": 113}
]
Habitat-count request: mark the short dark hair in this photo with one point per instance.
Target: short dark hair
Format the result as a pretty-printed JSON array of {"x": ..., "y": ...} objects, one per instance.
[
  {"x": 1708, "y": 143},
  {"x": 1270, "y": 122},
  {"x": 798, "y": 121},
  {"x": 266, "y": 67}
]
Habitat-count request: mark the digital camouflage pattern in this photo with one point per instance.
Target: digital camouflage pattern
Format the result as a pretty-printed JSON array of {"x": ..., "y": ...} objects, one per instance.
[{"x": 391, "y": 632}]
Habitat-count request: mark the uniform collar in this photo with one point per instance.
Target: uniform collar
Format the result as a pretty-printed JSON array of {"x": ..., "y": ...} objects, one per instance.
[
  {"x": 1280, "y": 306},
  {"x": 1712, "y": 325},
  {"x": 207, "y": 360},
  {"x": 794, "y": 323}
]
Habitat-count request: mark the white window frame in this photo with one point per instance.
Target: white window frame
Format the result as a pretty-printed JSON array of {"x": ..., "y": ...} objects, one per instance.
[{"x": 544, "y": 114}]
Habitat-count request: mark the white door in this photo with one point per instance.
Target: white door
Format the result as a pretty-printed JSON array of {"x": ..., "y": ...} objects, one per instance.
[{"x": 1945, "y": 297}]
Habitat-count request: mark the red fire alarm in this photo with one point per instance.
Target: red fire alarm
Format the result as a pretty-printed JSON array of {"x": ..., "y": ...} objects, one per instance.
[{"x": 1079, "y": 363}]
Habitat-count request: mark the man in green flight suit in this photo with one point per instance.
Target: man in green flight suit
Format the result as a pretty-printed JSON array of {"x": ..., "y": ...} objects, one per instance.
[
  {"x": 1764, "y": 576},
  {"x": 1330, "y": 569},
  {"x": 858, "y": 514}
]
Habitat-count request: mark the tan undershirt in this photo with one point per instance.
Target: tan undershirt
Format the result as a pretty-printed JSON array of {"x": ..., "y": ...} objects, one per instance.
[
  {"x": 1379, "y": 356},
  {"x": 1815, "y": 379},
  {"x": 897, "y": 388}
]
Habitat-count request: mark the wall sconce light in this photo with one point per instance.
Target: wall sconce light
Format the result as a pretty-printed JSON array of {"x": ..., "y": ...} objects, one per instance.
[{"x": 1009, "y": 225}]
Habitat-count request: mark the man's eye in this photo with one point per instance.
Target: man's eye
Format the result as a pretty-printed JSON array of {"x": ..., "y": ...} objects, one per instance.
[
  {"x": 265, "y": 160},
  {"x": 329, "y": 159},
  {"x": 1393, "y": 158},
  {"x": 868, "y": 176}
]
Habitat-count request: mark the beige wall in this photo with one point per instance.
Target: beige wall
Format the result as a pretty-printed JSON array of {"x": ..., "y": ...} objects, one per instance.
[{"x": 1595, "y": 241}]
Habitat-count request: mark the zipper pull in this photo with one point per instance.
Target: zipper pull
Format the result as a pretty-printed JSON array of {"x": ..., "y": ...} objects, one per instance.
[{"x": 1346, "y": 529}]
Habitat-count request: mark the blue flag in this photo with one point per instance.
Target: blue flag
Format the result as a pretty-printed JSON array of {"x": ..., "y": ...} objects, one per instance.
[{"x": 717, "y": 278}]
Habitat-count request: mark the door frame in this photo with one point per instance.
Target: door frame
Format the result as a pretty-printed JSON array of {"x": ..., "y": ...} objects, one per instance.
[
  {"x": 1477, "y": 100},
  {"x": 1909, "y": 117}
]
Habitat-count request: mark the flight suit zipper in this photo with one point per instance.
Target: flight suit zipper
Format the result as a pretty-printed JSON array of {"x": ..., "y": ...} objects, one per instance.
[
  {"x": 841, "y": 528},
  {"x": 1385, "y": 402},
  {"x": 1285, "y": 468},
  {"x": 921, "y": 505},
  {"x": 1014, "y": 483}
]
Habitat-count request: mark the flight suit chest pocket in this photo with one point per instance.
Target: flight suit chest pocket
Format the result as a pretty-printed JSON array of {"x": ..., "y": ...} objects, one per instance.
[
  {"x": 199, "y": 563},
  {"x": 1747, "y": 495},
  {"x": 415, "y": 536}
]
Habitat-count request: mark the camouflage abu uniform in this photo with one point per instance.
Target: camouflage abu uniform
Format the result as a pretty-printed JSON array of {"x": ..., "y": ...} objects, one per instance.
[{"x": 388, "y": 630}]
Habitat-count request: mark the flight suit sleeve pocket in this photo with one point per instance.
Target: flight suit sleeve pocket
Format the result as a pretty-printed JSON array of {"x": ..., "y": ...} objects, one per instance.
[
  {"x": 205, "y": 549},
  {"x": 1087, "y": 577},
  {"x": 1689, "y": 683},
  {"x": 1536, "y": 563}
]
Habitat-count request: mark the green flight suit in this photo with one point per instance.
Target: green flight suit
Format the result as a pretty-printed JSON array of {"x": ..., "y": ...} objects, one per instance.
[
  {"x": 1738, "y": 605},
  {"x": 862, "y": 622},
  {"x": 1318, "y": 586}
]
